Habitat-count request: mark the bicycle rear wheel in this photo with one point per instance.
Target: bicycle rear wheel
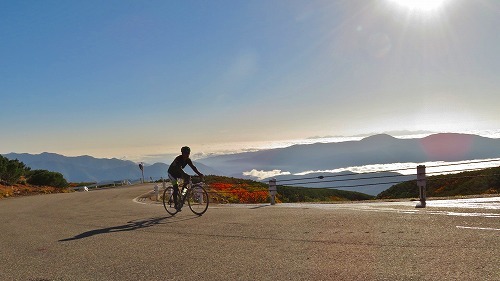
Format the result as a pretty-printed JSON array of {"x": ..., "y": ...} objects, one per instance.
[
  {"x": 198, "y": 199},
  {"x": 168, "y": 200}
]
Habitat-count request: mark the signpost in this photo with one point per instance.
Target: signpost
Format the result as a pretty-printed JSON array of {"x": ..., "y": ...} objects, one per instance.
[{"x": 141, "y": 166}]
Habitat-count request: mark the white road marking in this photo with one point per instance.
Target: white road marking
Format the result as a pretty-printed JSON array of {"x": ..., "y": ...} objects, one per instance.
[
  {"x": 137, "y": 199},
  {"x": 477, "y": 228}
]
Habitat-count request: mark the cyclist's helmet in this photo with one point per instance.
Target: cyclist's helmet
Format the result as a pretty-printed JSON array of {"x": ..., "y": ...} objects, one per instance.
[{"x": 185, "y": 150}]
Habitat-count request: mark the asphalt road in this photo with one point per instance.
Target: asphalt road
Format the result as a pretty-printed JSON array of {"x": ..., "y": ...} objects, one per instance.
[{"x": 106, "y": 235}]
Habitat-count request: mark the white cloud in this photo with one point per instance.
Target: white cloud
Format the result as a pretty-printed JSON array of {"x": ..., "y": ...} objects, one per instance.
[
  {"x": 402, "y": 168},
  {"x": 434, "y": 168},
  {"x": 265, "y": 174}
]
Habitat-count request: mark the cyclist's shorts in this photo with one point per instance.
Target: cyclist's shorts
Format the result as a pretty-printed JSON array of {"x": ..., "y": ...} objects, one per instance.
[{"x": 173, "y": 179}]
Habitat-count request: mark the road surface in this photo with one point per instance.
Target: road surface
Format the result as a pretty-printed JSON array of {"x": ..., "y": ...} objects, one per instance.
[{"x": 107, "y": 235}]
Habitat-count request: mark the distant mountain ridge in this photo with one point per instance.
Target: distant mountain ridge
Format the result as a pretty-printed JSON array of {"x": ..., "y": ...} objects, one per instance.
[
  {"x": 377, "y": 149},
  {"x": 89, "y": 169}
]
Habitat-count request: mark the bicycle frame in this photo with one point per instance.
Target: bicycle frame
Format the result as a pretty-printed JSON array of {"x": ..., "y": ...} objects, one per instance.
[{"x": 183, "y": 194}]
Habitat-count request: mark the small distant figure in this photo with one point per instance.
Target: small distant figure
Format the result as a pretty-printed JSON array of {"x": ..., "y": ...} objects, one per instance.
[{"x": 175, "y": 171}]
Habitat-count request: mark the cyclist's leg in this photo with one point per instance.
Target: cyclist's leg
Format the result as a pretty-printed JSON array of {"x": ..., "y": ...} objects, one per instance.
[
  {"x": 175, "y": 186},
  {"x": 185, "y": 179}
]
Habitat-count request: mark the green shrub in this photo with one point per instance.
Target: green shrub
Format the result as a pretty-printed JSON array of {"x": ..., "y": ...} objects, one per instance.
[
  {"x": 44, "y": 177},
  {"x": 303, "y": 194},
  {"x": 12, "y": 170}
]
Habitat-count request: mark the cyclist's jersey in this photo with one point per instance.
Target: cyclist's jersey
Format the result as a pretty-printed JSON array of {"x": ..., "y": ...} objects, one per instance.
[{"x": 177, "y": 165}]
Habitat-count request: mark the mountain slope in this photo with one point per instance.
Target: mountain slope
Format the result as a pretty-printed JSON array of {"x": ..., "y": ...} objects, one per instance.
[
  {"x": 234, "y": 190},
  {"x": 378, "y": 149},
  {"x": 486, "y": 181}
]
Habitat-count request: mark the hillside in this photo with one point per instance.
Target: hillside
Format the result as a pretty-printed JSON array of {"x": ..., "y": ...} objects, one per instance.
[
  {"x": 486, "y": 181},
  {"x": 234, "y": 190},
  {"x": 292, "y": 194}
]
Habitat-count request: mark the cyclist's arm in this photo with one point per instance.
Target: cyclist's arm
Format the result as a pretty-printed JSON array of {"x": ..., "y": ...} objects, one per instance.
[{"x": 190, "y": 163}]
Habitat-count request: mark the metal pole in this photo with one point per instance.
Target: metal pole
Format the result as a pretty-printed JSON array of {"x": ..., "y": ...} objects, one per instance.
[
  {"x": 272, "y": 191},
  {"x": 421, "y": 183},
  {"x": 157, "y": 192}
]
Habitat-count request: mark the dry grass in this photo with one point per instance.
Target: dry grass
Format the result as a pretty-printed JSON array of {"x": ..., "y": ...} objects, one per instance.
[{"x": 17, "y": 190}]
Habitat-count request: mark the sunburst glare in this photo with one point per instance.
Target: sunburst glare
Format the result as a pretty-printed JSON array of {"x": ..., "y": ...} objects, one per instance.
[{"x": 420, "y": 6}]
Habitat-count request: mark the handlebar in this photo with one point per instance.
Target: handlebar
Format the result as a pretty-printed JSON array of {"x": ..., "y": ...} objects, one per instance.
[{"x": 201, "y": 178}]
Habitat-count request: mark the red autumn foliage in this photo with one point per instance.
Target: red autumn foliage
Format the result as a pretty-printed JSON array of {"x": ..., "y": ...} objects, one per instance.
[{"x": 238, "y": 193}]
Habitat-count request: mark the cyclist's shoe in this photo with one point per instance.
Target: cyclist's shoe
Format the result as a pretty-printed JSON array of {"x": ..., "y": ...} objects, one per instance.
[{"x": 178, "y": 208}]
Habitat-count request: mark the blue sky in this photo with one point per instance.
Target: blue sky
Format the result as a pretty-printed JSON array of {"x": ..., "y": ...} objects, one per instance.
[{"x": 131, "y": 79}]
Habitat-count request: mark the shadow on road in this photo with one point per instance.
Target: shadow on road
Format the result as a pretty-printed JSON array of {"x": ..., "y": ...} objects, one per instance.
[{"x": 129, "y": 226}]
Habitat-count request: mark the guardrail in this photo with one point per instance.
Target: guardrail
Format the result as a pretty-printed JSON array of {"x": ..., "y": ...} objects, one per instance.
[{"x": 421, "y": 178}]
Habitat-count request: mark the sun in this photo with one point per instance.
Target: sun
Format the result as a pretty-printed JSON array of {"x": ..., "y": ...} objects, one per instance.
[{"x": 420, "y": 5}]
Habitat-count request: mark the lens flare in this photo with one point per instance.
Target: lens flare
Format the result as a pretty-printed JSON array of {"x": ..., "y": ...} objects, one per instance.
[{"x": 420, "y": 5}]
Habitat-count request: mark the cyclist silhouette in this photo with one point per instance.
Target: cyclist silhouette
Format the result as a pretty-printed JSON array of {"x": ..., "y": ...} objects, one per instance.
[{"x": 175, "y": 171}]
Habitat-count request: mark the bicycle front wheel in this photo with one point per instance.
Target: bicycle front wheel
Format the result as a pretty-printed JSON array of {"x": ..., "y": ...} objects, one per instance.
[
  {"x": 198, "y": 199},
  {"x": 168, "y": 200}
]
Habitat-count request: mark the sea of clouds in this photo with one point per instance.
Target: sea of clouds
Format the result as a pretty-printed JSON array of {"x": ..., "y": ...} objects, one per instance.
[{"x": 409, "y": 168}]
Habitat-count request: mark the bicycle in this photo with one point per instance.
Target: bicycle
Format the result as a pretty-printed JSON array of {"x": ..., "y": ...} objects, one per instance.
[{"x": 195, "y": 195}]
